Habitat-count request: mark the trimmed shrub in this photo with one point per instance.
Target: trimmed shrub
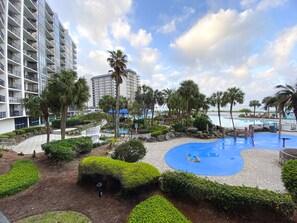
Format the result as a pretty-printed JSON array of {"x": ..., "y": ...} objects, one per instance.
[
  {"x": 67, "y": 149},
  {"x": 201, "y": 122},
  {"x": 98, "y": 144},
  {"x": 130, "y": 151},
  {"x": 156, "y": 209},
  {"x": 228, "y": 198},
  {"x": 7, "y": 135},
  {"x": 23, "y": 175},
  {"x": 130, "y": 175},
  {"x": 156, "y": 133},
  {"x": 289, "y": 176},
  {"x": 178, "y": 127}
]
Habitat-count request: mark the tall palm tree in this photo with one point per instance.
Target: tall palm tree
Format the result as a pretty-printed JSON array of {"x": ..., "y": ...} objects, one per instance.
[
  {"x": 118, "y": 62},
  {"x": 233, "y": 96},
  {"x": 287, "y": 97},
  {"x": 255, "y": 103},
  {"x": 38, "y": 106},
  {"x": 158, "y": 98},
  {"x": 218, "y": 100},
  {"x": 187, "y": 89},
  {"x": 167, "y": 95},
  {"x": 144, "y": 96},
  {"x": 267, "y": 102},
  {"x": 177, "y": 102},
  {"x": 65, "y": 90}
]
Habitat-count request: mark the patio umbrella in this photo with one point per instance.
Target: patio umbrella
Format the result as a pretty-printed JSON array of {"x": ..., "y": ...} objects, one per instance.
[
  {"x": 111, "y": 111},
  {"x": 124, "y": 112}
]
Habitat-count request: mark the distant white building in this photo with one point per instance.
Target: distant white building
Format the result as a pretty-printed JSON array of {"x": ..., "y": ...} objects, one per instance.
[{"x": 105, "y": 85}]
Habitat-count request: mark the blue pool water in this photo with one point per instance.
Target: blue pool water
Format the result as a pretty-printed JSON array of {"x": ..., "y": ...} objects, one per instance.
[
  {"x": 121, "y": 131},
  {"x": 222, "y": 158}
]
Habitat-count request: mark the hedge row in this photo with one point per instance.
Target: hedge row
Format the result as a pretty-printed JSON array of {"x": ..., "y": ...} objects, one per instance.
[
  {"x": 229, "y": 198},
  {"x": 130, "y": 175},
  {"x": 23, "y": 174},
  {"x": 156, "y": 209},
  {"x": 22, "y": 131},
  {"x": 289, "y": 177},
  {"x": 71, "y": 122},
  {"x": 67, "y": 149}
]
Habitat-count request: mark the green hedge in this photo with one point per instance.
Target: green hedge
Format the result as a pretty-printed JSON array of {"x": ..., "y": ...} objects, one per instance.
[
  {"x": 7, "y": 135},
  {"x": 23, "y": 174},
  {"x": 130, "y": 151},
  {"x": 131, "y": 175},
  {"x": 289, "y": 177},
  {"x": 67, "y": 149},
  {"x": 229, "y": 198},
  {"x": 156, "y": 209},
  {"x": 69, "y": 123}
]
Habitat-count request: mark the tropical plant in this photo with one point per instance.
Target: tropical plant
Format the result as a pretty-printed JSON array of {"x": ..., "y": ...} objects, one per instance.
[
  {"x": 199, "y": 102},
  {"x": 65, "y": 89},
  {"x": 233, "y": 96},
  {"x": 287, "y": 97},
  {"x": 218, "y": 100},
  {"x": 167, "y": 95},
  {"x": 177, "y": 102},
  {"x": 38, "y": 106},
  {"x": 268, "y": 102},
  {"x": 255, "y": 103},
  {"x": 187, "y": 89},
  {"x": 144, "y": 96},
  {"x": 158, "y": 98},
  {"x": 118, "y": 62}
]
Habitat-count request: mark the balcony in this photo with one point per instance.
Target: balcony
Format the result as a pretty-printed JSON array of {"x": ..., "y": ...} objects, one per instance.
[
  {"x": 14, "y": 17},
  {"x": 31, "y": 4},
  {"x": 1, "y": 66},
  {"x": 31, "y": 66},
  {"x": 15, "y": 33},
  {"x": 31, "y": 77},
  {"x": 15, "y": 6},
  {"x": 15, "y": 86},
  {"x": 2, "y": 114},
  {"x": 15, "y": 73},
  {"x": 32, "y": 89},
  {"x": 30, "y": 34},
  {"x": 2, "y": 6},
  {"x": 31, "y": 45},
  {"x": 30, "y": 23},
  {"x": 14, "y": 58},
  {"x": 2, "y": 83},
  {"x": 29, "y": 12},
  {"x": 31, "y": 55},
  {"x": 2, "y": 98},
  {"x": 1, "y": 36},
  {"x": 16, "y": 113},
  {"x": 2, "y": 21},
  {"x": 14, "y": 100},
  {"x": 13, "y": 44}
]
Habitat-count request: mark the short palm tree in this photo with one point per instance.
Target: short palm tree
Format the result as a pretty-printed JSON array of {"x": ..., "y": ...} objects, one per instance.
[
  {"x": 255, "y": 103},
  {"x": 187, "y": 89},
  {"x": 118, "y": 63},
  {"x": 218, "y": 100},
  {"x": 287, "y": 97},
  {"x": 158, "y": 98},
  {"x": 65, "y": 89},
  {"x": 167, "y": 95},
  {"x": 38, "y": 106},
  {"x": 233, "y": 96},
  {"x": 268, "y": 102}
]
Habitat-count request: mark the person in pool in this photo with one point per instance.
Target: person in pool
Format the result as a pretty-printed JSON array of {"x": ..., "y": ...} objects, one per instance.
[
  {"x": 189, "y": 157},
  {"x": 196, "y": 159}
]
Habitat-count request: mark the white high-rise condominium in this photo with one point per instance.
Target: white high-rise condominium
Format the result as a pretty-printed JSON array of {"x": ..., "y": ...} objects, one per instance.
[
  {"x": 105, "y": 85},
  {"x": 33, "y": 46}
]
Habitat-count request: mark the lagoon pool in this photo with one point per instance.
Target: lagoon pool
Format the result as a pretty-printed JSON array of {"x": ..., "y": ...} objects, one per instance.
[{"x": 222, "y": 157}]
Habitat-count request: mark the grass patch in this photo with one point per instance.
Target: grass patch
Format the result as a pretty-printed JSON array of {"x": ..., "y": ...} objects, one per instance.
[
  {"x": 57, "y": 216},
  {"x": 23, "y": 175}
]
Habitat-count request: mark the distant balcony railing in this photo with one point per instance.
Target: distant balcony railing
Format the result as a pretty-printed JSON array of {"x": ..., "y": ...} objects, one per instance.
[
  {"x": 14, "y": 17},
  {"x": 32, "y": 66},
  {"x": 15, "y": 72},
  {"x": 17, "y": 6},
  {"x": 14, "y": 58},
  {"x": 1, "y": 50},
  {"x": 13, "y": 100},
  {"x": 1, "y": 66},
  {"x": 15, "y": 86},
  {"x": 32, "y": 78},
  {"x": 2, "y": 114},
  {"x": 32, "y": 55},
  {"x": 16, "y": 113},
  {"x": 14, "y": 44},
  {"x": 2, "y": 98},
  {"x": 1, "y": 34},
  {"x": 13, "y": 30},
  {"x": 2, "y": 82},
  {"x": 32, "y": 89}
]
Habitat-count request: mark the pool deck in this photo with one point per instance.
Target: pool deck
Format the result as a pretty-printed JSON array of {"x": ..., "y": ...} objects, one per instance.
[{"x": 261, "y": 168}]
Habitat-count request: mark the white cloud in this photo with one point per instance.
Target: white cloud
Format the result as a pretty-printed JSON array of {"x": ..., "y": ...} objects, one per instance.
[{"x": 140, "y": 39}]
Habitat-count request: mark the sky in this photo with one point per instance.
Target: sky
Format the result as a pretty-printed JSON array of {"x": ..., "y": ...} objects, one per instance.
[{"x": 249, "y": 44}]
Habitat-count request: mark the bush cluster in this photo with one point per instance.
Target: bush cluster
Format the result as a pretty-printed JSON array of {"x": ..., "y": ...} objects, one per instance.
[
  {"x": 23, "y": 174},
  {"x": 71, "y": 122},
  {"x": 98, "y": 144},
  {"x": 130, "y": 175},
  {"x": 178, "y": 127},
  {"x": 156, "y": 209},
  {"x": 201, "y": 122},
  {"x": 7, "y": 135},
  {"x": 289, "y": 177},
  {"x": 130, "y": 151},
  {"x": 228, "y": 198},
  {"x": 67, "y": 149},
  {"x": 23, "y": 131}
]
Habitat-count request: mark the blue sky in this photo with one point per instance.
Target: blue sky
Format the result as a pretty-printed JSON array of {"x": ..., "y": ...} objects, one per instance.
[{"x": 250, "y": 44}]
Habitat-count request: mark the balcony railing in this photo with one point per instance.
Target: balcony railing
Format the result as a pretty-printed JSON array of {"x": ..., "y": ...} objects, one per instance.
[
  {"x": 14, "y": 100},
  {"x": 2, "y": 82},
  {"x": 32, "y": 78},
  {"x": 2, "y": 114},
  {"x": 16, "y": 113},
  {"x": 32, "y": 66},
  {"x": 14, "y": 17},
  {"x": 32, "y": 89},
  {"x": 15, "y": 86},
  {"x": 1, "y": 66},
  {"x": 14, "y": 44},
  {"x": 31, "y": 55},
  {"x": 15, "y": 72},
  {"x": 17, "y": 6},
  {"x": 14, "y": 58},
  {"x": 1, "y": 50},
  {"x": 1, "y": 34},
  {"x": 2, "y": 98}
]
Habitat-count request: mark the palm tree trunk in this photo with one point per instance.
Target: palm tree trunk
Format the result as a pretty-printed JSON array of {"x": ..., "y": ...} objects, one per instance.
[
  {"x": 187, "y": 107},
  {"x": 231, "y": 108},
  {"x": 219, "y": 114},
  {"x": 153, "y": 112},
  {"x": 268, "y": 112},
  {"x": 47, "y": 128},
  {"x": 116, "y": 132},
  {"x": 254, "y": 110},
  {"x": 63, "y": 121}
]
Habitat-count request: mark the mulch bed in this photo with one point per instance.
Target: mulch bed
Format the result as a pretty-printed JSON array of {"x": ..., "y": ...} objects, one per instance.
[{"x": 57, "y": 190}]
